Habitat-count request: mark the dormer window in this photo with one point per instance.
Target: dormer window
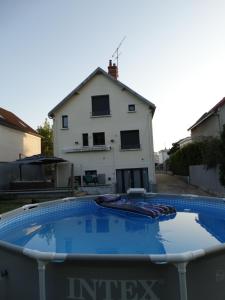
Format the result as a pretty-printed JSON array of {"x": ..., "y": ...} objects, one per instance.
[
  {"x": 100, "y": 105},
  {"x": 65, "y": 122},
  {"x": 131, "y": 108}
]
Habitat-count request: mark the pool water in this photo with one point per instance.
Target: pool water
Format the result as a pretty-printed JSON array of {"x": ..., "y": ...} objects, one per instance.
[{"x": 82, "y": 226}]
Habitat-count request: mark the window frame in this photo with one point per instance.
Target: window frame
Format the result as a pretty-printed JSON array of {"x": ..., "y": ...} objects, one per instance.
[
  {"x": 99, "y": 113},
  {"x": 85, "y": 140},
  {"x": 130, "y": 110},
  {"x": 94, "y": 134},
  {"x": 65, "y": 124},
  {"x": 123, "y": 138}
]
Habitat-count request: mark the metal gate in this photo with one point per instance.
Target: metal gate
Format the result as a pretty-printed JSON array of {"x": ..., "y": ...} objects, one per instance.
[{"x": 132, "y": 178}]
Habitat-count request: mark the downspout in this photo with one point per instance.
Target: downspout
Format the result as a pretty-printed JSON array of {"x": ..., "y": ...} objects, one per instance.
[{"x": 181, "y": 267}]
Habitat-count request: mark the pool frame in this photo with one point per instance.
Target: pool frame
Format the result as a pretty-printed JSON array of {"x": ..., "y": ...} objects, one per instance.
[{"x": 163, "y": 276}]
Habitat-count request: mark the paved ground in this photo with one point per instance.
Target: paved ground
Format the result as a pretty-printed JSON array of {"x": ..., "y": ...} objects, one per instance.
[{"x": 173, "y": 185}]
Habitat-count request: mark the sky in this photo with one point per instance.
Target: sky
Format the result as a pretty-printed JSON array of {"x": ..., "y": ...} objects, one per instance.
[{"x": 173, "y": 55}]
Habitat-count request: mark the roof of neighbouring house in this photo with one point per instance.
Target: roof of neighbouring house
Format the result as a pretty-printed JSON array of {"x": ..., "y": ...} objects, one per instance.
[
  {"x": 208, "y": 114},
  {"x": 97, "y": 72},
  {"x": 10, "y": 120}
]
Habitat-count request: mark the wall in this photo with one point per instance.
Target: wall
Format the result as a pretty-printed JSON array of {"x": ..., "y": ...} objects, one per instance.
[
  {"x": 212, "y": 126},
  {"x": 10, "y": 172},
  {"x": 207, "y": 180},
  {"x": 80, "y": 121},
  {"x": 13, "y": 142}
]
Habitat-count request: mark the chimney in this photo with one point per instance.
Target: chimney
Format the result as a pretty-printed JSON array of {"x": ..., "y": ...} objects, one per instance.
[{"x": 113, "y": 70}]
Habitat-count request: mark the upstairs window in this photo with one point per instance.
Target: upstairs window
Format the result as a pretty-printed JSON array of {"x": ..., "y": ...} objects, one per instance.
[
  {"x": 65, "y": 121},
  {"x": 98, "y": 138},
  {"x": 130, "y": 139},
  {"x": 100, "y": 105},
  {"x": 85, "y": 139}
]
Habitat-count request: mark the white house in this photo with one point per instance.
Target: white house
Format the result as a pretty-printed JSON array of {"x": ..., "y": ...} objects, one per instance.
[
  {"x": 17, "y": 139},
  {"x": 210, "y": 124},
  {"x": 163, "y": 155},
  {"x": 105, "y": 129}
]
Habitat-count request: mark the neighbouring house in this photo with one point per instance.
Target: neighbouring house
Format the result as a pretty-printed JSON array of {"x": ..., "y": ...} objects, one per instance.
[
  {"x": 104, "y": 128},
  {"x": 210, "y": 124},
  {"x": 183, "y": 142},
  {"x": 163, "y": 155},
  {"x": 17, "y": 139},
  {"x": 156, "y": 158},
  {"x": 179, "y": 144}
]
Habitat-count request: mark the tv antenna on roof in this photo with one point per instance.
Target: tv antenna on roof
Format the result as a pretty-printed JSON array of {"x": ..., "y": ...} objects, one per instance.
[{"x": 116, "y": 53}]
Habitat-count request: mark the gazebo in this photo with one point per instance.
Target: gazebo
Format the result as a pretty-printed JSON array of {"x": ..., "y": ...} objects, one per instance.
[{"x": 32, "y": 172}]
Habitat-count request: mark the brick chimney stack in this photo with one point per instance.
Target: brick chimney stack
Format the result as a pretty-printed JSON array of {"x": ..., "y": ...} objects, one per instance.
[{"x": 113, "y": 70}]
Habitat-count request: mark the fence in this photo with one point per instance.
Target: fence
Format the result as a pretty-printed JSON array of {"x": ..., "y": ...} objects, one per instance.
[{"x": 206, "y": 179}]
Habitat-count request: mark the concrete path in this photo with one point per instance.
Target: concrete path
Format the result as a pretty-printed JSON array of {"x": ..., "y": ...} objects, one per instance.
[{"x": 173, "y": 185}]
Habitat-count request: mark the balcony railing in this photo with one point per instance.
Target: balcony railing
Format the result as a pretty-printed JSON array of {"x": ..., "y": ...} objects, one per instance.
[{"x": 87, "y": 149}]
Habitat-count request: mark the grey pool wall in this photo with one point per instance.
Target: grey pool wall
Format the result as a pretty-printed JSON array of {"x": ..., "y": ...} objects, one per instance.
[{"x": 30, "y": 275}]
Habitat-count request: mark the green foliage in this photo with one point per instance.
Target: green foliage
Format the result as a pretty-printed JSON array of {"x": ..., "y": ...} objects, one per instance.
[
  {"x": 211, "y": 152},
  {"x": 188, "y": 155},
  {"x": 175, "y": 147},
  {"x": 46, "y": 133},
  {"x": 207, "y": 152}
]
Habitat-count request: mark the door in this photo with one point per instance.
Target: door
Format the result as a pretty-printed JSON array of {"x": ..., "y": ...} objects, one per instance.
[{"x": 131, "y": 178}]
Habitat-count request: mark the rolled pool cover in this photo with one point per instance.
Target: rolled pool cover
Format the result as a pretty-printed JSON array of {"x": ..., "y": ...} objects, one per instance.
[{"x": 140, "y": 207}]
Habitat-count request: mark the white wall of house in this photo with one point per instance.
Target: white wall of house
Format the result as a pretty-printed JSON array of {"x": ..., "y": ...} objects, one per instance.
[
  {"x": 212, "y": 126},
  {"x": 13, "y": 142},
  {"x": 163, "y": 155},
  {"x": 79, "y": 109}
]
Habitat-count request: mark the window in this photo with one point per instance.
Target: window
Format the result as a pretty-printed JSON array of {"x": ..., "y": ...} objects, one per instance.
[
  {"x": 102, "y": 225},
  {"x": 100, "y": 105},
  {"x": 131, "y": 107},
  {"x": 130, "y": 139},
  {"x": 98, "y": 138},
  {"x": 65, "y": 121},
  {"x": 85, "y": 139}
]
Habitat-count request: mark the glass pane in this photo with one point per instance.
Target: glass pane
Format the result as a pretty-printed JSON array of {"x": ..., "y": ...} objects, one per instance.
[
  {"x": 98, "y": 138},
  {"x": 130, "y": 139},
  {"x": 100, "y": 105}
]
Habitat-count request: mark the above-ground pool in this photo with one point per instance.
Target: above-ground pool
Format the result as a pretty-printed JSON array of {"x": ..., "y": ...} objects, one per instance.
[{"x": 76, "y": 249}]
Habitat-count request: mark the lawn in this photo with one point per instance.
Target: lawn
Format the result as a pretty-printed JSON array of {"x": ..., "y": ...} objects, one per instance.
[{"x": 7, "y": 205}]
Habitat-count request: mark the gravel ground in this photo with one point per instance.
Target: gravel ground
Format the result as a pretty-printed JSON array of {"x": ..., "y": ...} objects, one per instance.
[{"x": 173, "y": 185}]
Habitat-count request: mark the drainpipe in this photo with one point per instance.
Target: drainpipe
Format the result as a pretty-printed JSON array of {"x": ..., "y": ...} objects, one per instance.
[
  {"x": 41, "y": 271},
  {"x": 181, "y": 267}
]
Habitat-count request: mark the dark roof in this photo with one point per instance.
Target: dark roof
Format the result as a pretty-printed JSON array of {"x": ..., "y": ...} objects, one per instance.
[
  {"x": 208, "y": 114},
  {"x": 40, "y": 160},
  {"x": 96, "y": 72},
  {"x": 10, "y": 120}
]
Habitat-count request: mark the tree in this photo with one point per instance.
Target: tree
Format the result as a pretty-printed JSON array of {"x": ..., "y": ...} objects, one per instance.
[{"x": 46, "y": 134}]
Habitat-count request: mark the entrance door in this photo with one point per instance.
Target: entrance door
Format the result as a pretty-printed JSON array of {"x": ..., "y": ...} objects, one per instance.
[{"x": 131, "y": 178}]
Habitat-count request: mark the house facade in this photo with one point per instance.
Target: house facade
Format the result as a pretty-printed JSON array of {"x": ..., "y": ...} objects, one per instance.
[
  {"x": 17, "y": 139},
  {"x": 210, "y": 124},
  {"x": 105, "y": 129}
]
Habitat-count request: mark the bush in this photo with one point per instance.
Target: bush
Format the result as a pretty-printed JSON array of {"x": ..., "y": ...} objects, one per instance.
[{"x": 207, "y": 152}]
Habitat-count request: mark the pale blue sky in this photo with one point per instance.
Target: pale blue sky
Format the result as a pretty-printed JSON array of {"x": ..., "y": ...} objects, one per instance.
[{"x": 174, "y": 55}]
